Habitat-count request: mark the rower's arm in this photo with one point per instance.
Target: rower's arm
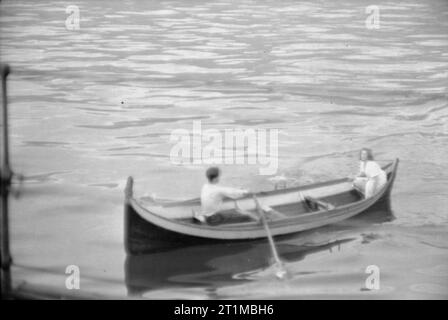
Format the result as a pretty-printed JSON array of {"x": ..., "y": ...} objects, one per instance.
[{"x": 233, "y": 193}]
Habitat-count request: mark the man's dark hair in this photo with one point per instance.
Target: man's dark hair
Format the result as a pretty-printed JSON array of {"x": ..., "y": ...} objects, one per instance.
[{"x": 212, "y": 173}]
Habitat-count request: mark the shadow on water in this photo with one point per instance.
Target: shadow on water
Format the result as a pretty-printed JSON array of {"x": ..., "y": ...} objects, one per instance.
[{"x": 215, "y": 265}]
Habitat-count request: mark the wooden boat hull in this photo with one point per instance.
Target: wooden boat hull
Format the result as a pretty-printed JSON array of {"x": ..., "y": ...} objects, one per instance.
[{"x": 146, "y": 231}]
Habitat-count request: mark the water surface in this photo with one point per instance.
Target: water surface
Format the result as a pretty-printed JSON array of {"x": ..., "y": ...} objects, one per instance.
[{"x": 92, "y": 106}]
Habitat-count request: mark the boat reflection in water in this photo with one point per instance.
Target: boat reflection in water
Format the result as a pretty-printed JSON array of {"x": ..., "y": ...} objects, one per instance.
[{"x": 210, "y": 266}]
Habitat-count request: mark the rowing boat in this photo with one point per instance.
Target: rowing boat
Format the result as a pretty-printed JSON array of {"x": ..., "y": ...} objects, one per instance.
[{"x": 151, "y": 226}]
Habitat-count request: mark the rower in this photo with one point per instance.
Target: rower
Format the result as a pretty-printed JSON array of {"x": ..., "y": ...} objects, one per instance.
[{"x": 213, "y": 195}]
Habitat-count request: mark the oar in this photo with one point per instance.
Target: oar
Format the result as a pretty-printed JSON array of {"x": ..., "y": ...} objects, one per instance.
[{"x": 281, "y": 272}]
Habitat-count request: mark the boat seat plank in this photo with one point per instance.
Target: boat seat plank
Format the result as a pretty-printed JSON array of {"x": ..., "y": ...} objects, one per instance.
[{"x": 316, "y": 204}]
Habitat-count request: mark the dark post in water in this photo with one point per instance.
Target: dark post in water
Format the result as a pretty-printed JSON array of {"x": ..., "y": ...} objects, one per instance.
[{"x": 5, "y": 182}]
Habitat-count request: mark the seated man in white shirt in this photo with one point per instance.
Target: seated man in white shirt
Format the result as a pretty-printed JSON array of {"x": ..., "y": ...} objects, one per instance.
[
  {"x": 212, "y": 196},
  {"x": 371, "y": 177}
]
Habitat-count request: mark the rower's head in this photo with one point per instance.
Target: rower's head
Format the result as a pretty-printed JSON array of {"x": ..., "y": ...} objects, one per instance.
[
  {"x": 213, "y": 174},
  {"x": 366, "y": 154}
]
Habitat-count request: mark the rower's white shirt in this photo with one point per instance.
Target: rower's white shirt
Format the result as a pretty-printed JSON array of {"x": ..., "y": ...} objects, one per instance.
[
  {"x": 212, "y": 196},
  {"x": 371, "y": 169}
]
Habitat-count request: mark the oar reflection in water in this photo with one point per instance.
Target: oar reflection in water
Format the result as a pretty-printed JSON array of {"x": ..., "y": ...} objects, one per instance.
[{"x": 212, "y": 266}]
